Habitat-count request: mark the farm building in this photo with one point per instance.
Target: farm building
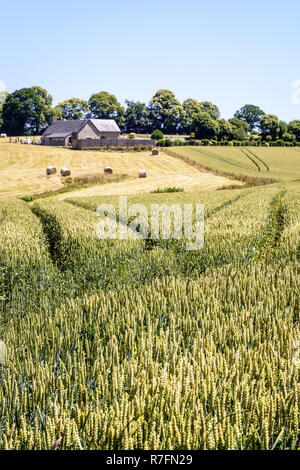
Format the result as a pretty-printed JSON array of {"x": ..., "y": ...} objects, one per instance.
[{"x": 62, "y": 133}]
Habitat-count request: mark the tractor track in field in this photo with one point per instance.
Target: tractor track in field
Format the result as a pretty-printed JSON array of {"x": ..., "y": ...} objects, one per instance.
[
  {"x": 258, "y": 158},
  {"x": 250, "y": 158},
  {"x": 54, "y": 237}
]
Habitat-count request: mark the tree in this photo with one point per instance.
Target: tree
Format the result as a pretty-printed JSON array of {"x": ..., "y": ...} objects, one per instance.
[
  {"x": 103, "y": 105},
  {"x": 166, "y": 112},
  {"x": 73, "y": 108},
  {"x": 294, "y": 128},
  {"x": 27, "y": 111},
  {"x": 191, "y": 108},
  {"x": 287, "y": 137},
  {"x": 240, "y": 129},
  {"x": 250, "y": 114},
  {"x": 204, "y": 126},
  {"x": 137, "y": 118},
  {"x": 3, "y": 97},
  {"x": 282, "y": 129},
  {"x": 225, "y": 129},
  {"x": 269, "y": 125},
  {"x": 210, "y": 108}
]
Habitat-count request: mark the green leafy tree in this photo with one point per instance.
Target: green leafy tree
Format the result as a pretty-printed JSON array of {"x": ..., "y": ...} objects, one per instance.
[
  {"x": 269, "y": 125},
  {"x": 250, "y": 114},
  {"x": 294, "y": 128},
  {"x": 240, "y": 129},
  {"x": 210, "y": 108},
  {"x": 282, "y": 129},
  {"x": 166, "y": 112},
  {"x": 3, "y": 96},
  {"x": 27, "y": 111},
  {"x": 191, "y": 108},
  {"x": 73, "y": 108},
  {"x": 204, "y": 126},
  {"x": 225, "y": 129},
  {"x": 103, "y": 105},
  {"x": 137, "y": 118},
  {"x": 287, "y": 137}
]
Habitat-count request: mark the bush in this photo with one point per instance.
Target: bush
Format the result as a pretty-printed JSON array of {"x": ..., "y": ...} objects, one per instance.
[
  {"x": 224, "y": 142},
  {"x": 28, "y": 198},
  {"x": 205, "y": 141},
  {"x": 131, "y": 136},
  {"x": 169, "y": 143},
  {"x": 168, "y": 190},
  {"x": 157, "y": 135},
  {"x": 161, "y": 143}
]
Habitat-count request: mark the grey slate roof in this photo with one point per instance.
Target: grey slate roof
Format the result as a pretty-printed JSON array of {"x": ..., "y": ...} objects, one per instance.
[
  {"x": 66, "y": 128},
  {"x": 56, "y": 135},
  {"x": 105, "y": 125}
]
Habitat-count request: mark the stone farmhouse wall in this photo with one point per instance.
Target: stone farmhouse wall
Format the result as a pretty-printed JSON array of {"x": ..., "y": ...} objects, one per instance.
[
  {"x": 55, "y": 141},
  {"x": 102, "y": 143}
]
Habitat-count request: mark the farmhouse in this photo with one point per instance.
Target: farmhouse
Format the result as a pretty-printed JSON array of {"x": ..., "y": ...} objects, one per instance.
[{"x": 62, "y": 133}]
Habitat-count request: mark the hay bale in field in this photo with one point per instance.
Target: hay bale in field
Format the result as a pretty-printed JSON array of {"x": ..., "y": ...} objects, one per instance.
[
  {"x": 51, "y": 170},
  {"x": 3, "y": 136},
  {"x": 155, "y": 151},
  {"x": 65, "y": 172},
  {"x": 142, "y": 174},
  {"x": 108, "y": 169}
]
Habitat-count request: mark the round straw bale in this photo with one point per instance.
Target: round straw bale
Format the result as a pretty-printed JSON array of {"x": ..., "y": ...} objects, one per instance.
[
  {"x": 3, "y": 136},
  {"x": 155, "y": 151},
  {"x": 142, "y": 174},
  {"x": 65, "y": 172},
  {"x": 51, "y": 170},
  {"x": 108, "y": 169}
]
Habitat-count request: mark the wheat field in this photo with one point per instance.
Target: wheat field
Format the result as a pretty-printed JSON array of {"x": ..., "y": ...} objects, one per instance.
[{"x": 120, "y": 345}]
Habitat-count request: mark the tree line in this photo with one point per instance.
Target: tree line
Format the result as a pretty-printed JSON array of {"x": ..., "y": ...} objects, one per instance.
[{"x": 29, "y": 111}]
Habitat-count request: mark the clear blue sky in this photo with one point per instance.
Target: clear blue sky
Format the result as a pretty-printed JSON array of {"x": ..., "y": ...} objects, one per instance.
[{"x": 228, "y": 52}]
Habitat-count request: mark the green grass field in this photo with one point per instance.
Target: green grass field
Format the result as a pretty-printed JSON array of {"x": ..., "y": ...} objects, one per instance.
[
  {"x": 282, "y": 164},
  {"x": 141, "y": 344}
]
